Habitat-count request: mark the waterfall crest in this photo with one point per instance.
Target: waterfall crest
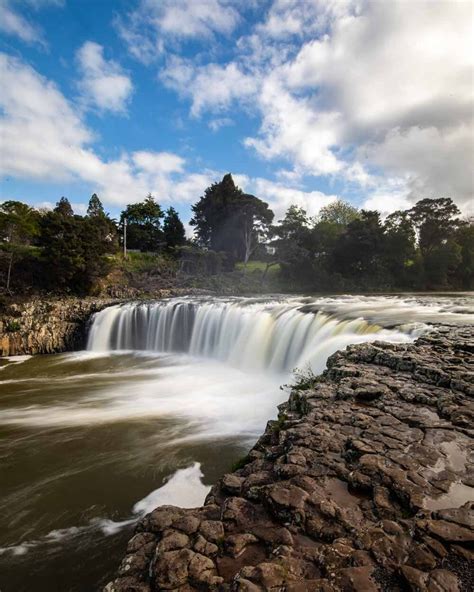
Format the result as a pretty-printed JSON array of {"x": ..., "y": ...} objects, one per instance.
[{"x": 275, "y": 336}]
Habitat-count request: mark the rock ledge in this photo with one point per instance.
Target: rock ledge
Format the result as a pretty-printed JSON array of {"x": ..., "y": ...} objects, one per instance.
[{"x": 365, "y": 483}]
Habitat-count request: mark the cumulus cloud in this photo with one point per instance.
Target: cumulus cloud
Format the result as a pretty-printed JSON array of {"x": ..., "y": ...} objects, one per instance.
[
  {"x": 212, "y": 87},
  {"x": 360, "y": 92},
  {"x": 104, "y": 84},
  {"x": 280, "y": 196},
  {"x": 43, "y": 138},
  {"x": 154, "y": 23}
]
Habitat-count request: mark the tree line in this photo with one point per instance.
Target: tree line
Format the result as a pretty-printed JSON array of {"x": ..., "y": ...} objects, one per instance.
[{"x": 424, "y": 247}]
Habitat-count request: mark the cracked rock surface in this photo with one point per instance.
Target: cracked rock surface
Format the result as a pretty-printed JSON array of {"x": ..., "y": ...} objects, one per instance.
[{"x": 364, "y": 483}]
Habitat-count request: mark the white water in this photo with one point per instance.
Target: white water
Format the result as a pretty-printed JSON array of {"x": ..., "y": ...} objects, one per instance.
[{"x": 254, "y": 336}]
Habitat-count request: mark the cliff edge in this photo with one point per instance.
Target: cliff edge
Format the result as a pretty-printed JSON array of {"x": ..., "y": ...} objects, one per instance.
[{"x": 364, "y": 483}]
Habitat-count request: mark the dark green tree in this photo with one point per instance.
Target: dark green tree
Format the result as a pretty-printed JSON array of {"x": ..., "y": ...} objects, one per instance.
[
  {"x": 144, "y": 230},
  {"x": 400, "y": 249},
  {"x": 436, "y": 221},
  {"x": 358, "y": 251},
  {"x": 465, "y": 239},
  {"x": 73, "y": 250},
  {"x": 226, "y": 219},
  {"x": 19, "y": 227},
  {"x": 173, "y": 229},
  {"x": 101, "y": 224},
  {"x": 95, "y": 207},
  {"x": 63, "y": 207}
]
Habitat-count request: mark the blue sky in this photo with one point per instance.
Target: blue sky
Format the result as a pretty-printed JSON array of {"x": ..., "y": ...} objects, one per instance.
[{"x": 304, "y": 101}]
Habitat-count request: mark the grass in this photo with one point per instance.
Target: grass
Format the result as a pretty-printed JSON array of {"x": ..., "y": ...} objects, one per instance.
[
  {"x": 259, "y": 266},
  {"x": 141, "y": 262}
]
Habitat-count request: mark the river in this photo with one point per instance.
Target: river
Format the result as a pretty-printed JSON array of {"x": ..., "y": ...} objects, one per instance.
[{"x": 167, "y": 396}]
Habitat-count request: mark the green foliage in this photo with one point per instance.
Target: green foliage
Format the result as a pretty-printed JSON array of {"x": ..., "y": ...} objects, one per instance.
[
  {"x": 12, "y": 327},
  {"x": 173, "y": 230},
  {"x": 63, "y": 207},
  {"x": 143, "y": 220},
  {"x": 339, "y": 212},
  {"x": 95, "y": 209},
  {"x": 343, "y": 249},
  {"x": 228, "y": 220},
  {"x": 240, "y": 463},
  {"x": 73, "y": 250}
]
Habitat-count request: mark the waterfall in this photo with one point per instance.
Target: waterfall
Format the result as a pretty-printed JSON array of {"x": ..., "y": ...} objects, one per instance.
[{"x": 252, "y": 335}]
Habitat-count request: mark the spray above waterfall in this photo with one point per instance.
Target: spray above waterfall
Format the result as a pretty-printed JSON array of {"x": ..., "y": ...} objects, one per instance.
[{"x": 274, "y": 336}]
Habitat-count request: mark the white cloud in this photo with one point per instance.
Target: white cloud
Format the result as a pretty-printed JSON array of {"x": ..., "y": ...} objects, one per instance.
[
  {"x": 43, "y": 138},
  {"x": 12, "y": 22},
  {"x": 280, "y": 197},
  {"x": 154, "y": 23},
  {"x": 103, "y": 84},
  {"x": 211, "y": 87},
  {"x": 165, "y": 162},
  {"x": 292, "y": 129},
  {"x": 216, "y": 124},
  {"x": 355, "y": 91}
]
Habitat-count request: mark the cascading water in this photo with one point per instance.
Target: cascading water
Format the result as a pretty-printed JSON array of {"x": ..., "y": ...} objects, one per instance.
[
  {"x": 168, "y": 396},
  {"x": 256, "y": 336}
]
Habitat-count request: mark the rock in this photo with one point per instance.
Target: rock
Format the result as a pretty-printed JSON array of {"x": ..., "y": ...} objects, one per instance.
[
  {"x": 361, "y": 487},
  {"x": 231, "y": 483},
  {"x": 212, "y": 530},
  {"x": 441, "y": 580}
]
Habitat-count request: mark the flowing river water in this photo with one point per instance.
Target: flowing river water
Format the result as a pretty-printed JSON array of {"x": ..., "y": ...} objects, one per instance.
[{"x": 167, "y": 396}]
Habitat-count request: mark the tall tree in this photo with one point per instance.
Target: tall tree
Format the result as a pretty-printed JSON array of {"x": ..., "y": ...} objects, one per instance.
[
  {"x": 436, "y": 221},
  {"x": 226, "y": 219},
  {"x": 19, "y": 226},
  {"x": 358, "y": 252},
  {"x": 100, "y": 224},
  {"x": 144, "y": 230},
  {"x": 254, "y": 219},
  {"x": 95, "y": 207},
  {"x": 400, "y": 247},
  {"x": 63, "y": 207},
  {"x": 173, "y": 229},
  {"x": 465, "y": 271},
  {"x": 338, "y": 212}
]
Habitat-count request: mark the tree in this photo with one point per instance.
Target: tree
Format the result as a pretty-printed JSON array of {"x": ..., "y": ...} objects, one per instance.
[
  {"x": 173, "y": 229},
  {"x": 292, "y": 241},
  {"x": 339, "y": 212},
  {"x": 100, "y": 224},
  {"x": 465, "y": 239},
  {"x": 73, "y": 251},
  {"x": 358, "y": 252},
  {"x": 144, "y": 224},
  {"x": 226, "y": 219},
  {"x": 399, "y": 247},
  {"x": 19, "y": 227},
  {"x": 254, "y": 219},
  {"x": 95, "y": 207},
  {"x": 63, "y": 207},
  {"x": 435, "y": 220}
]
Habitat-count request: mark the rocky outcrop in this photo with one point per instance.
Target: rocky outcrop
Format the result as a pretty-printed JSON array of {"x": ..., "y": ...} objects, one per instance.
[
  {"x": 365, "y": 483},
  {"x": 48, "y": 326}
]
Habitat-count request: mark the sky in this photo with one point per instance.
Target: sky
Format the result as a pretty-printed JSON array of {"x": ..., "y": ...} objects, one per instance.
[{"x": 303, "y": 101}]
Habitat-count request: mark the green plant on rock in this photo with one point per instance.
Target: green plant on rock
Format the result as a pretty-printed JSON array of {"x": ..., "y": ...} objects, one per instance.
[{"x": 13, "y": 327}]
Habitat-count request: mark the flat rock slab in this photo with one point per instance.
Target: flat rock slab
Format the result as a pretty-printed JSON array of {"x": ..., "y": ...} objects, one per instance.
[{"x": 366, "y": 482}]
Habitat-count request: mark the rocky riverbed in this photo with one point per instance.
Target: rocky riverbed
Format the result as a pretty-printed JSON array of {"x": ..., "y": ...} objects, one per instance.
[{"x": 364, "y": 483}]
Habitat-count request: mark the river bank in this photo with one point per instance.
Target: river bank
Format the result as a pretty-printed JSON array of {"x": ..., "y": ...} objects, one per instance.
[{"x": 365, "y": 482}]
